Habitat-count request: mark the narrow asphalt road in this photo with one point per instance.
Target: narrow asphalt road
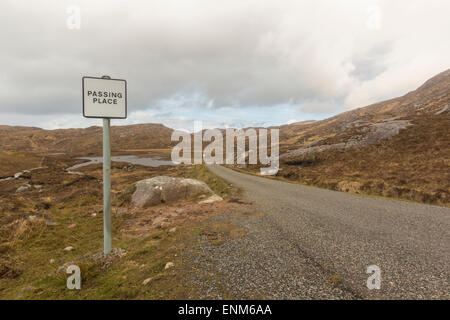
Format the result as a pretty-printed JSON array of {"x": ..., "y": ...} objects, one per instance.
[{"x": 337, "y": 236}]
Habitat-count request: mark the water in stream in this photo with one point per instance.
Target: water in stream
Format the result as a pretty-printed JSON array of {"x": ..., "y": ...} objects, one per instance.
[{"x": 148, "y": 162}]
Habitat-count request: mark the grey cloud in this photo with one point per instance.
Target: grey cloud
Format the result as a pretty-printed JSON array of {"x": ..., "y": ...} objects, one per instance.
[
  {"x": 372, "y": 63},
  {"x": 325, "y": 107},
  {"x": 242, "y": 53}
]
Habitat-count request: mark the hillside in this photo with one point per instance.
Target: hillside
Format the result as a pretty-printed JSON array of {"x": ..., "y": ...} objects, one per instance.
[
  {"x": 432, "y": 98},
  {"x": 84, "y": 141},
  {"x": 397, "y": 148}
]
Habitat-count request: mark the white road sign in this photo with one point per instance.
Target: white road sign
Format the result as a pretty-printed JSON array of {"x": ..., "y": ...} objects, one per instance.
[{"x": 104, "y": 98}]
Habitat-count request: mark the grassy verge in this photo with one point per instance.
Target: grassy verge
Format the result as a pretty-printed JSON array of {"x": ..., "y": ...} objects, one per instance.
[
  {"x": 145, "y": 258},
  {"x": 217, "y": 184},
  {"x": 33, "y": 252}
]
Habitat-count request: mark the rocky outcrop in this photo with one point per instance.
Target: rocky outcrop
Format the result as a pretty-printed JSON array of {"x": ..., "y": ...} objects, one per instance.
[
  {"x": 162, "y": 189},
  {"x": 443, "y": 110},
  {"x": 372, "y": 133}
]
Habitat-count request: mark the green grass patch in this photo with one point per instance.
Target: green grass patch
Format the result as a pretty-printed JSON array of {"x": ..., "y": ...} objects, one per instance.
[
  {"x": 220, "y": 186},
  {"x": 146, "y": 257}
]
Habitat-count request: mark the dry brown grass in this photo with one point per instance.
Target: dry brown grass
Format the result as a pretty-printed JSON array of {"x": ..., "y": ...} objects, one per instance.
[
  {"x": 414, "y": 165},
  {"x": 10, "y": 266},
  {"x": 36, "y": 226},
  {"x": 13, "y": 162},
  {"x": 22, "y": 229},
  {"x": 219, "y": 232},
  {"x": 86, "y": 141}
]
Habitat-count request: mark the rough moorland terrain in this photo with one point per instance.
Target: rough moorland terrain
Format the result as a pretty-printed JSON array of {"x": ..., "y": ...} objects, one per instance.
[
  {"x": 87, "y": 141},
  {"x": 397, "y": 148},
  {"x": 50, "y": 218}
]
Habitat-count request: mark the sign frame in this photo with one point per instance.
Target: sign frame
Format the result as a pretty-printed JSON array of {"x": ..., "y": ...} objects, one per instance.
[{"x": 101, "y": 78}]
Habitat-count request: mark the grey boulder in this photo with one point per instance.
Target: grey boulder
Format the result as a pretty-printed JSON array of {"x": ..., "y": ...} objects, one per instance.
[{"x": 163, "y": 189}]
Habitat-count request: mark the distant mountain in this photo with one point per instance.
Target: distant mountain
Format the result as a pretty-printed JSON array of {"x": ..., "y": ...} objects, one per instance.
[{"x": 84, "y": 141}]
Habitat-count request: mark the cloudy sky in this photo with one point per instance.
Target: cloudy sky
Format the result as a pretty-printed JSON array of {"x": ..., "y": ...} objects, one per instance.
[{"x": 228, "y": 63}]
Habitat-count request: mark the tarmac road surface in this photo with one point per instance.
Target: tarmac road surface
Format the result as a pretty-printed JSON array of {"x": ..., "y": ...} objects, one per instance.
[{"x": 316, "y": 243}]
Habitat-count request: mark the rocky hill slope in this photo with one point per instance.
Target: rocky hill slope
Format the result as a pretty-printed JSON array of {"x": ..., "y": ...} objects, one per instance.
[
  {"x": 398, "y": 148},
  {"x": 370, "y": 124}
]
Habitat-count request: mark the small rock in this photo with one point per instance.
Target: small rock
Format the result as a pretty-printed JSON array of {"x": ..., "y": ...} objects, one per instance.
[
  {"x": 50, "y": 223},
  {"x": 164, "y": 225},
  {"x": 157, "y": 222},
  {"x": 72, "y": 225},
  {"x": 212, "y": 199},
  {"x": 23, "y": 188},
  {"x": 94, "y": 215},
  {"x": 169, "y": 265},
  {"x": 64, "y": 267},
  {"x": 31, "y": 217},
  {"x": 173, "y": 230},
  {"x": 69, "y": 248},
  {"x": 146, "y": 281},
  {"x": 52, "y": 261}
]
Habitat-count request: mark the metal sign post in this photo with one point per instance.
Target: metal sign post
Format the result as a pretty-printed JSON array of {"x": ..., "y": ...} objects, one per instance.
[
  {"x": 106, "y": 186},
  {"x": 105, "y": 98},
  {"x": 106, "y": 183}
]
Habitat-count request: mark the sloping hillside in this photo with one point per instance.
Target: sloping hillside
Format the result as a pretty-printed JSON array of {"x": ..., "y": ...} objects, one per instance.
[
  {"x": 397, "y": 148},
  {"x": 373, "y": 123},
  {"x": 86, "y": 141}
]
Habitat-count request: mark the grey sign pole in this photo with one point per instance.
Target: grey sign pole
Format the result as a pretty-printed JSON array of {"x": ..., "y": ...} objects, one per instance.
[
  {"x": 105, "y": 98},
  {"x": 106, "y": 183}
]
